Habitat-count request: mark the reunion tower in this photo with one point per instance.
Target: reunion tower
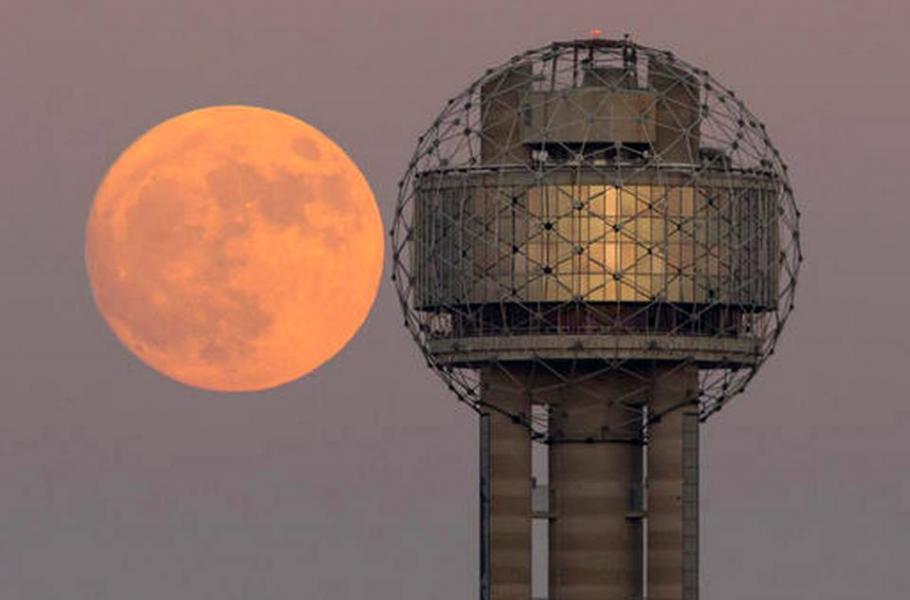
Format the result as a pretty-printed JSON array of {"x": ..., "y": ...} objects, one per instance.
[{"x": 596, "y": 247}]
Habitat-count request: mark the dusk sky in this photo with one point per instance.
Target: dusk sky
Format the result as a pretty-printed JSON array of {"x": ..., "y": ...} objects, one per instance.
[{"x": 360, "y": 480}]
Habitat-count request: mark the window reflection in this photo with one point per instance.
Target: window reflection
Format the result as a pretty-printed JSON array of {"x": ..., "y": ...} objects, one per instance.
[{"x": 554, "y": 243}]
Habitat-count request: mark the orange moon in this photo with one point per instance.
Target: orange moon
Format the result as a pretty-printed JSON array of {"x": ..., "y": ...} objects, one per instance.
[{"x": 234, "y": 248}]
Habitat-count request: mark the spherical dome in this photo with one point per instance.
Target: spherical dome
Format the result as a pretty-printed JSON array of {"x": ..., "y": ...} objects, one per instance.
[{"x": 595, "y": 206}]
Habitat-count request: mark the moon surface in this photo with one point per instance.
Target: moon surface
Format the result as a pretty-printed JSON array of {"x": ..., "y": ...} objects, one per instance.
[{"x": 234, "y": 248}]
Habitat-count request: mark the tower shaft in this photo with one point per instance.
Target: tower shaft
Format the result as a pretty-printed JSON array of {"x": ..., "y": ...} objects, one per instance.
[
  {"x": 601, "y": 496},
  {"x": 672, "y": 489},
  {"x": 509, "y": 487},
  {"x": 595, "y": 542}
]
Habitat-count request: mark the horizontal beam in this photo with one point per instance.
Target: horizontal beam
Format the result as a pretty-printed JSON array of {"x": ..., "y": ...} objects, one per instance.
[{"x": 704, "y": 351}]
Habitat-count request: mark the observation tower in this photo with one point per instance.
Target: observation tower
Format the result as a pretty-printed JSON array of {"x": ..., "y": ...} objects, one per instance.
[{"x": 596, "y": 247}]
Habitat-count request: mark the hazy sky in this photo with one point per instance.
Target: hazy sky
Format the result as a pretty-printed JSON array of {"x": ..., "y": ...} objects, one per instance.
[{"x": 359, "y": 481}]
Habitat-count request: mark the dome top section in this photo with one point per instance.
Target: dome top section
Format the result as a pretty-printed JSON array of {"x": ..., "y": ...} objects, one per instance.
[{"x": 596, "y": 200}]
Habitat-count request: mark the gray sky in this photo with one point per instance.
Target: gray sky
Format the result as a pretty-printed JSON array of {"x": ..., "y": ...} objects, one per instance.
[{"x": 359, "y": 481}]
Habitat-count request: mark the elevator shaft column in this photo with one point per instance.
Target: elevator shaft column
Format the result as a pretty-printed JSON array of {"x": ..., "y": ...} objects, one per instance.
[
  {"x": 672, "y": 504},
  {"x": 508, "y": 462},
  {"x": 596, "y": 529}
]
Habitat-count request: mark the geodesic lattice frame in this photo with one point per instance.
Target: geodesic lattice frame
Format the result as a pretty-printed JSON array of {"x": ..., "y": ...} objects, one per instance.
[{"x": 731, "y": 145}]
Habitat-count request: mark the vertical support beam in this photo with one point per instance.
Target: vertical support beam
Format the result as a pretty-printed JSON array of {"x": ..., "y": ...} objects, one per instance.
[
  {"x": 484, "y": 506},
  {"x": 673, "y": 486},
  {"x": 596, "y": 531},
  {"x": 540, "y": 508},
  {"x": 690, "y": 504},
  {"x": 510, "y": 488}
]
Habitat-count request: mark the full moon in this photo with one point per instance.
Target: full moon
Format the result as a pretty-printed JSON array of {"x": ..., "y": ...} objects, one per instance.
[{"x": 234, "y": 248}]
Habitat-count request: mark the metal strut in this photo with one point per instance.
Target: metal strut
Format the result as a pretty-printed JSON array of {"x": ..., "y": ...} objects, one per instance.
[{"x": 485, "y": 506}]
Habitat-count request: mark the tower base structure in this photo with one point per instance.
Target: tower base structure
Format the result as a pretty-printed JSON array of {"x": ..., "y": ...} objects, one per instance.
[{"x": 623, "y": 484}]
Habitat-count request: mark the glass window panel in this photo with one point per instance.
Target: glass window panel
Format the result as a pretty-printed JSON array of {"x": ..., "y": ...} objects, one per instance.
[
  {"x": 596, "y": 199},
  {"x": 674, "y": 202},
  {"x": 596, "y": 255},
  {"x": 686, "y": 230},
  {"x": 686, "y": 256},
  {"x": 536, "y": 253},
  {"x": 502, "y": 265},
  {"x": 642, "y": 197},
  {"x": 535, "y": 200},
  {"x": 629, "y": 202},
  {"x": 594, "y": 228},
  {"x": 564, "y": 198},
  {"x": 658, "y": 285},
  {"x": 658, "y": 229},
  {"x": 674, "y": 233},
  {"x": 601, "y": 287},
  {"x": 702, "y": 230},
  {"x": 643, "y": 229},
  {"x": 674, "y": 256},
  {"x": 611, "y": 202},
  {"x": 686, "y": 287},
  {"x": 565, "y": 266},
  {"x": 711, "y": 232},
  {"x": 534, "y": 288},
  {"x": 687, "y": 201},
  {"x": 628, "y": 293},
  {"x": 627, "y": 256},
  {"x": 642, "y": 259},
  {"x": 611, "y": 258},
  {"x": 660, "y": 198}
]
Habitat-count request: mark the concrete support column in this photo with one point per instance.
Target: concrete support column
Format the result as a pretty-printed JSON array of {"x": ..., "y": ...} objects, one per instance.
[
  {"x": 673, "y": 487},
  {"x": 595, "y": 532},
  {"x": 509, "y": 489}
]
